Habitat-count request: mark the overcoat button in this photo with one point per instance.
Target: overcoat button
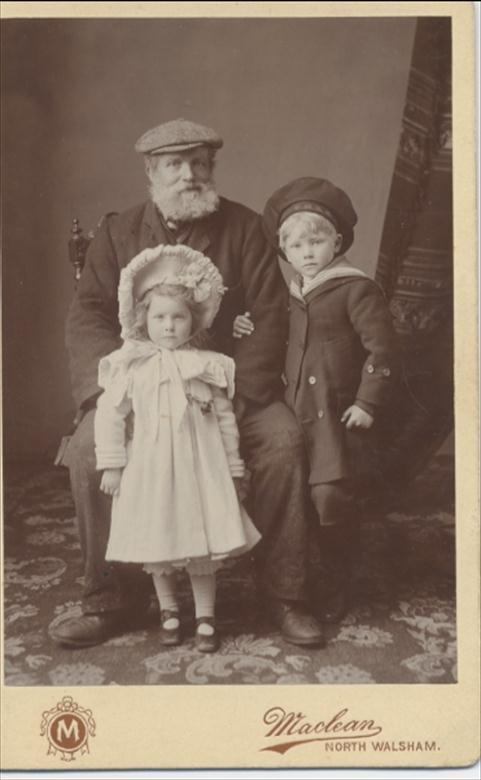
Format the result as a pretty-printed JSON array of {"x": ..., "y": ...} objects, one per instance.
[
  {"x": 312, "y": 380},
  {"x": 386, "y": 372},
  {"x": 370, "y": 369},
  {"x": 320, "y": 414}
]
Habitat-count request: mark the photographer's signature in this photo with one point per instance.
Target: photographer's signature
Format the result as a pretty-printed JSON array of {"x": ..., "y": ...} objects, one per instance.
[{"x": 339, "y": 732}]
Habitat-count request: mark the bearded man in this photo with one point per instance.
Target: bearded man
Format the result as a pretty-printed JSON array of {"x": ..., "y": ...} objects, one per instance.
[{"x": 184, "y": 208}]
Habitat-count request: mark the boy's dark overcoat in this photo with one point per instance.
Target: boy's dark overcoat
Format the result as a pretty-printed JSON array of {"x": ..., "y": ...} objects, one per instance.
[{"x": 342, "y": 350}]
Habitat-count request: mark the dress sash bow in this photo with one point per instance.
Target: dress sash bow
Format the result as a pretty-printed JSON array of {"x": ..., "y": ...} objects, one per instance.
[{"x": 176, "y": 367}]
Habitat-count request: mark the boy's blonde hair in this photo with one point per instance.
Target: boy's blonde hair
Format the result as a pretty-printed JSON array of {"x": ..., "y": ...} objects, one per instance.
[{"x": 315, "y": 223}]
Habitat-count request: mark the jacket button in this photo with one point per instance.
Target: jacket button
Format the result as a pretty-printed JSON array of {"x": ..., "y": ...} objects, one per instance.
[
  {"x": 320, "y": 414},
  {"x": 386, "y": 372},
  {"x": 370, "y": 369},
  {"x": 312, "y": 380}
]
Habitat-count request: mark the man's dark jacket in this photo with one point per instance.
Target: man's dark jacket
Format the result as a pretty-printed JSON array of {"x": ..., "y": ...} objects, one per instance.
[{"x": 233, "y": 239}]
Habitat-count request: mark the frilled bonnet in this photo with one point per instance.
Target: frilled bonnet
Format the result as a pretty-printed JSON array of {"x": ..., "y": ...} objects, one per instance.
[{"x": 167, "y": 264}]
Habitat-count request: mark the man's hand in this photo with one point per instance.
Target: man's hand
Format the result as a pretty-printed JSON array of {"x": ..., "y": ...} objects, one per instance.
[
  {"x": 243, "y": 325},
  {"x": 110, "y": 481},
  {"x": 355, "y": 417}
]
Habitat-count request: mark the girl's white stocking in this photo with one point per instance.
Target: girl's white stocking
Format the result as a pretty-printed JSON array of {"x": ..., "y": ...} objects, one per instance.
[
  {"x": 203, "y": 588},
  {"x": 166, "y": 593}
]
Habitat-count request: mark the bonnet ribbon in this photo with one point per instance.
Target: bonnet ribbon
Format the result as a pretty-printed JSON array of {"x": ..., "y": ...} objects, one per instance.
[{"x": 174, "y": 367}]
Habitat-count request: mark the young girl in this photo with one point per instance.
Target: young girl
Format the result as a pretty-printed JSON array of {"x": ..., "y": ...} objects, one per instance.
[{"x": 175, "y": 484}]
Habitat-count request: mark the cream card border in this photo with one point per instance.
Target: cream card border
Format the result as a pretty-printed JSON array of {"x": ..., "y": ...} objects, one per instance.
[{"x": 222, "y": 726}]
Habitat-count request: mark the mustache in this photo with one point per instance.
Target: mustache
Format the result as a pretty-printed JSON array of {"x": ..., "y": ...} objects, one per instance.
[{"x": 194, "y": 201}]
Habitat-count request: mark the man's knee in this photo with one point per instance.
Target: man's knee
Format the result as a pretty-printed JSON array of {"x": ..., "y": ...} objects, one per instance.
[{"x": 272, "y": 431}]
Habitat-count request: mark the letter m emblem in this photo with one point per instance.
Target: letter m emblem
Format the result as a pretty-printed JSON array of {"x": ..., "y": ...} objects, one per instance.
[{"x": 66, "y": 732}]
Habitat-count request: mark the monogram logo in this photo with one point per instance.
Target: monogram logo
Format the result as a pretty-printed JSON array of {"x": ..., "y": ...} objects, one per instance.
[{"x": 67, "y": 728}]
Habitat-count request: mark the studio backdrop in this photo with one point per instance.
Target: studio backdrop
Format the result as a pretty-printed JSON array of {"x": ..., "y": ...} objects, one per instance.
[{"x": 291, "y": 97}]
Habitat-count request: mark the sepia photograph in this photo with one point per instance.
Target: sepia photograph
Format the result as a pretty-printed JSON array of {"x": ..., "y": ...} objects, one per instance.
[
  {"x": 229, "y": 434},
  {"x": 333, "y": 504}
]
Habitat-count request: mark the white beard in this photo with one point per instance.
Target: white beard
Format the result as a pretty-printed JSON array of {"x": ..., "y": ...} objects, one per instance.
[{"x": 185, "y": 206}]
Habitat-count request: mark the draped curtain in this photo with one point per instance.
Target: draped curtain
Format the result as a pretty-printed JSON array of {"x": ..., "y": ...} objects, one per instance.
[{"x": 416, "y": 256}]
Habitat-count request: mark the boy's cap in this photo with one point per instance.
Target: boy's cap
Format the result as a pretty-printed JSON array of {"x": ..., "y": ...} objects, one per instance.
[
  {"x": 177, "y": 136},
  {"x": 311, "y": 194}
]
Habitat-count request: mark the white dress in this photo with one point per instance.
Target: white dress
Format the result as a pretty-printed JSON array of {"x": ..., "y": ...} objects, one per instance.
[{"x": 177, "y": 502}]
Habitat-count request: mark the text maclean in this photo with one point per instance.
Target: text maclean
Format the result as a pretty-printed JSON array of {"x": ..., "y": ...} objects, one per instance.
[{"x": 296, "y": 724}]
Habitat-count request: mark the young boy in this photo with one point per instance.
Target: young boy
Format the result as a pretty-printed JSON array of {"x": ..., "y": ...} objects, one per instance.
[{"x": 341, "y": 360}]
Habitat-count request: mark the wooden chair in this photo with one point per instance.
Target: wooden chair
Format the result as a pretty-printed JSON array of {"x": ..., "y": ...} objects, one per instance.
[
  {"x": 78, "y": 245},
  {"x": 77, "y": 248}
]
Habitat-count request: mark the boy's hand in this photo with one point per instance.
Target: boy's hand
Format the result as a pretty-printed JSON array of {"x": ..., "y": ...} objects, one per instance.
[
  {"x": 110, "y": 481},
  {"x": 243, "y": 325},
  {"x": 355, "y": 417}
]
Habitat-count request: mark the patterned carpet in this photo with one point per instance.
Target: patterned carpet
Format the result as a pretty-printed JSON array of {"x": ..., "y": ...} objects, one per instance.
[{"x": 401, "y": 628}]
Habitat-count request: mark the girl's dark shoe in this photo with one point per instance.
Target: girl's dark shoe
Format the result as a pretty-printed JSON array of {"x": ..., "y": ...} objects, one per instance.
[
  {"x": 206, "y": 643},
  {"x": 169, "y": 636}
]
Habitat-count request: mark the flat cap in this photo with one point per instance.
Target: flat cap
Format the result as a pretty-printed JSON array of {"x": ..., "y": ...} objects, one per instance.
[
  {"x": 177, "y": 136},
  {"x": 310, "y": 194}
]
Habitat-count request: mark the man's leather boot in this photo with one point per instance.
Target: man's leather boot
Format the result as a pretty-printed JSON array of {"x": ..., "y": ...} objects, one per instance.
[{"x": 296, "y": 624}]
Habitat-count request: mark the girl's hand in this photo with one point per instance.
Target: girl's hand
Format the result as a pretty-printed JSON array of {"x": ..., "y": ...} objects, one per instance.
[
  {"x": 110, "y": 481},
  {"x": 243, "y": 325},
  {"x": 355, "y": 417}
]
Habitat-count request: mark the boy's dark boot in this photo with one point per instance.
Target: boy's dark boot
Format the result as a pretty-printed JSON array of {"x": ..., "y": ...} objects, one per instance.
[{"x": 333, "y": 583}]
